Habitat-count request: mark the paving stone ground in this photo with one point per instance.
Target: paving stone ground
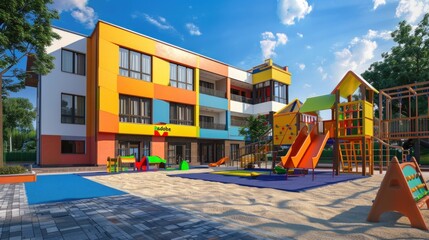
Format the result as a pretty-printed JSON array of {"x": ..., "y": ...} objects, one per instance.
[{"x": 116, "y": 217}]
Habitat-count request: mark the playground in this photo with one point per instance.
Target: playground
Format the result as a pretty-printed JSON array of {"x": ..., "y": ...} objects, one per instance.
[{"x": 332, "y": 211}]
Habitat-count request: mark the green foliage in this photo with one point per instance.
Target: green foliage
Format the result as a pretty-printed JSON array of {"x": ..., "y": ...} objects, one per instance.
[
  {"x": 255, "y": 128},
  {"x": 25, "y": 28},
  {"x": 406, "y": 63},
  {"x": 12, "y": 170},
  {"x": 18, "y": 113}
]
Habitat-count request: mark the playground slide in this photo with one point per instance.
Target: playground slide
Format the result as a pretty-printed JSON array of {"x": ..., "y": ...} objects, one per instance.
[
  {"x": 314, "y": 150},
  {"x": 294, "y": 149},
  {"x": 220, "y": 162}
]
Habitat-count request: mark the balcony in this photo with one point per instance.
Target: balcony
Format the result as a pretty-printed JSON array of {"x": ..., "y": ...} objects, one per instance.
[
  {"x": 212, "y": 92},
  {"x": 238, "y": 122},
  {"x": 211, "y": 125},
  {"x": 242, "y": 99}
]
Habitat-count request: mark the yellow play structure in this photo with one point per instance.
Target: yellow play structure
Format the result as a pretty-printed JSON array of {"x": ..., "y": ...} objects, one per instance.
[{"x": 351, "y": 127}]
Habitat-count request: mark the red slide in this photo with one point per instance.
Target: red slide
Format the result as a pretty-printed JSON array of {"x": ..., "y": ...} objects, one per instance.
[{"x": 220, "y": 162}]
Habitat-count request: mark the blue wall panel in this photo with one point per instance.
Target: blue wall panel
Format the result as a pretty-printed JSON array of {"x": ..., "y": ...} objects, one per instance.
[
  {"x": 213, "y": 134},
  {"x": 213, "y": 102},
  {"x": 233, "y": 133},
  {"x": 161, "y": 111}
]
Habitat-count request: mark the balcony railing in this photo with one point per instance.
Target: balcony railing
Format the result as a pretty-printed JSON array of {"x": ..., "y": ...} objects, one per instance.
[
  {"x": 182, "y": 122},
  {"x": 211, "y": 125},
  {"x": 239, "y": 98},
  {"x": 238, "y": 122},
  {"x": 212, "y": 92}
]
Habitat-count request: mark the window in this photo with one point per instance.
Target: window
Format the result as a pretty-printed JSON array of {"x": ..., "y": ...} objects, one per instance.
[
  {"x": 279, "y": 92},
  {"x": 72, "y": 62},
  {"x": 72, "y": 146},
  {"x": 135, "y": 65},
  {"x": 181, "y": 77},
  {"x": 134, "y": 109},
  {"x": 181, "y": 114},
  {"x": 72, "y": 109}
]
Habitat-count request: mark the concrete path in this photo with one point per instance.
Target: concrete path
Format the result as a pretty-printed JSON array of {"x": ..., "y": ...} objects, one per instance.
[{"x": 116, "y": 217}]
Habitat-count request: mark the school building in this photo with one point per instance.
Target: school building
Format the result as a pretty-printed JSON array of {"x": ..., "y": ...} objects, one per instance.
[{"x": 119, "y": 92}]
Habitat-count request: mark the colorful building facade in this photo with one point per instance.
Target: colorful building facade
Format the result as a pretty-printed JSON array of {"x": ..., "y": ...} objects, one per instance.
[{"x": 118, "y": 92}]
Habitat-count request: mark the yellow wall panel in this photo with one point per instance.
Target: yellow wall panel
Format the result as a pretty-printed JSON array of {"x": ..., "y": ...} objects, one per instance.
[
  {"x": 127, "y": 39},
  {"x": 107, "y": 79},
  {"x": 161, "y": 71},
  {"x": 261, "y": 76},
  {"x": 134, "y": 128},
  {"x": 149, "y": 129},
  {"x": 108, "y": 56},
  {"x": 109, "y": 100},
  {"x": 281, "y": 76}
]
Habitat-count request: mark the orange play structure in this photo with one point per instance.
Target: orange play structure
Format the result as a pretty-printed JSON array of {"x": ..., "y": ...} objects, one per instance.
[
  {"x": 402, "y": 190},
  {"x": 220, "y": 162}
]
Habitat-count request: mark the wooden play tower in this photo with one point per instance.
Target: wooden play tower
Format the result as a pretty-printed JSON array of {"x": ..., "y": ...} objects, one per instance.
[
  {"x": 353, "y": 118},
  {"x": 404, "y": 116}
]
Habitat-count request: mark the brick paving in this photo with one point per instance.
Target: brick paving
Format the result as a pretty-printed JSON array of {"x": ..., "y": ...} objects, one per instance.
[{"x": 116, "y": 217}]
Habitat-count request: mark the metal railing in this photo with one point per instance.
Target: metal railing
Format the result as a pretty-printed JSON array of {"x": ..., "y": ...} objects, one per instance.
[
  {"x": 239, "y": 98},
  {"x": 211, "y": 125},
  {"x": 212, "y": 92},
  {"x": 238, "y": 122}
]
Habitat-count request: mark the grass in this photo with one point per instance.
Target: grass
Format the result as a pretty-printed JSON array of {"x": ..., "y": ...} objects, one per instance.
[{"x": 12, "y": 170}]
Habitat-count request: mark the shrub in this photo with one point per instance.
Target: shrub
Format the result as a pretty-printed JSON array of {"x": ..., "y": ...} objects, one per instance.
[{"x": 12, "y": 170}]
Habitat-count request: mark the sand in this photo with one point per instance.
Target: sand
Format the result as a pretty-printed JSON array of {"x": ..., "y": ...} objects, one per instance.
[{"x": 335, "y": 211}]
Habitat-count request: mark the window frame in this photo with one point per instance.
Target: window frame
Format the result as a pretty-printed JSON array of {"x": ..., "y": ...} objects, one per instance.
[
  {"x": 174, "y": 112},
  {"x": 73, "y": 147},
  {"x": 142, "y": 119},
  {"x": 75, "y": 64},
  {"x": 140, "y": 72},
  {"x": 189, "y": 85},
  {"x": 73, "y": 110}
]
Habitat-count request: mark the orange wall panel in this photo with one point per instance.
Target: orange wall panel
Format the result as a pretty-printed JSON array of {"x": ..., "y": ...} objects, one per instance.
[
  {"x": 176, "y": 55},
  {"x": 158, "y": 147},
  {"x": 105, "y": 147},
  {"x": 173, "y": 94},
  {"x": 51, "y": 153},
  {"x": 108, "y": 122},
  {"x": 135, "y": 87},
  {"x": 214, "y": 67}
]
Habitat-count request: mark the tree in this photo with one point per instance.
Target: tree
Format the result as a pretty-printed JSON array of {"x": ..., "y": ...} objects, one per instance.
[
  {"x": 255, "y": 128},
  {"x": 25, "y": 30},
  {"x": 406, "y": 63},
  {"x": 18, "y": 114}
]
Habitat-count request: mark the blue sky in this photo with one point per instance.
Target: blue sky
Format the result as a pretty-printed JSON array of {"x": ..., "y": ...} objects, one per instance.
[{"x": 319, "y": 40}]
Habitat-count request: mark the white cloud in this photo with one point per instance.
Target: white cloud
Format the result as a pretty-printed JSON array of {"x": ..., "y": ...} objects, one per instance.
[
  {"x": 357, "y": 56},
  {"x": 291, "y": 10},
  {"x": 322, "y": 72},
  {"x": 281, "y": 39},
  {"x": 300, "y": 35},
  {"x": 412, "y": 10},
  {"x": 308, "y": 47},
  {"x": 378, "y": 3},
  {"x": 306, "y": 85},
  {"x": 372, "y": 34},
  {"x": 79, "y": 10},
  {"x": 193, "y": 29},
  {"x": 160, "y": 23},
  {"x": 269, "y": 43},
  {"x": 301, "y": 66}
]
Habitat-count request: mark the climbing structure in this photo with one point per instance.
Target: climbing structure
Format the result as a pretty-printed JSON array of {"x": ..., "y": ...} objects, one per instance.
[
  {"x": 354, "y": 119},
  {"x": 404, "y": 115}
]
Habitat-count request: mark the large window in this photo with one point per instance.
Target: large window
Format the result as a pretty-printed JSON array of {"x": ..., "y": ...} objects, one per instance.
[
  {"x": 181, "y": 114},
  {"x": 135, "y": 65},
  {"x": 72, "y": 62},
  {"x": 72, "y": 146},
  {"x": 270, "y": 91},
  {"x": 181, "y": 77},
  {"x": 72, "y": 109},
  {"x": 280, "y": 92},
  {"x": 134, "y": 109}
]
